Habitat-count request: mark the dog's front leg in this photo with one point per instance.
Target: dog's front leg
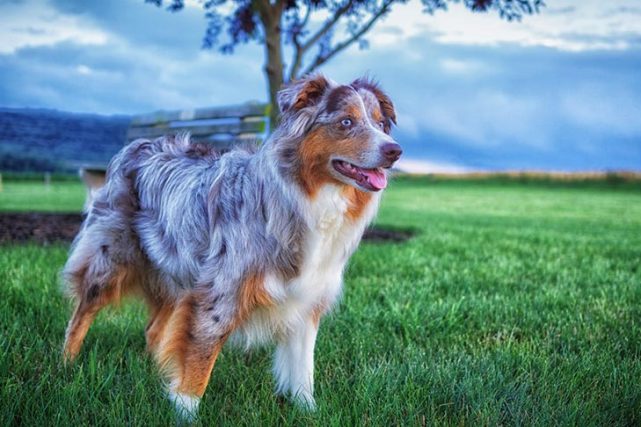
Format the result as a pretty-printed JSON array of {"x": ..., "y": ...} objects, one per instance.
[
  {"x": 191, "y": 342},
  {"x": 294, "y": 363}
]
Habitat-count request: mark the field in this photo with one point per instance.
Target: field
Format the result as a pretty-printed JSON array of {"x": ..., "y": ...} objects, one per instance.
[
  {"x": 59, "y": 196},
  {"x": 515, "y": 303}
]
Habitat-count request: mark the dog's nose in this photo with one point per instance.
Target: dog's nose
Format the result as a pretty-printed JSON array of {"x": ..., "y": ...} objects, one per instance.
[{"x": 391, "y": 151}]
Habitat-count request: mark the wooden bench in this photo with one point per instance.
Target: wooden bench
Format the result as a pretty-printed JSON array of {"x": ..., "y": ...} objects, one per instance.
[{"x": 222, "y": 127}]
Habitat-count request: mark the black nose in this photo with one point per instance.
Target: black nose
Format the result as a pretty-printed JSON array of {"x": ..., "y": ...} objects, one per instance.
[{"x": 391, "y": 151}]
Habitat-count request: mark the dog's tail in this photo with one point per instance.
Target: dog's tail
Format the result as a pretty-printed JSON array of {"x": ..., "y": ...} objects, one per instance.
[{"x": 120, "y": 190}]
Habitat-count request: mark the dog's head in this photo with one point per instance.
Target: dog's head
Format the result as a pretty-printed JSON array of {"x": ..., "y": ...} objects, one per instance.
[{"x": 341, "y": 132}]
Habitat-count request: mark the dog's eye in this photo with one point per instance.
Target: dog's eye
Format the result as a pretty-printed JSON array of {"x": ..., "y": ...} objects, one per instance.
[
  {"x": 346, "y": 122},
  {"x": 381, "y": 125}
]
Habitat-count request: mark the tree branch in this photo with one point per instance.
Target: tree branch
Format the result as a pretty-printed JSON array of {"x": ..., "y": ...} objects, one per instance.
[
  {"x": 298, "y": 51},
  {"x": 329, "y": 24},
  {"x": 267, "y": 11},
  {"x": 298, "y": 59},
  {"x": 321, "y": 59},
  {"x": 307, "y": 15},
  {"x": 262, "y": 7}
]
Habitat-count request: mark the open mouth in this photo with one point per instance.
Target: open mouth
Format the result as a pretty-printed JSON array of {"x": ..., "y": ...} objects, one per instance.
[{"x": 370, "y": 179}]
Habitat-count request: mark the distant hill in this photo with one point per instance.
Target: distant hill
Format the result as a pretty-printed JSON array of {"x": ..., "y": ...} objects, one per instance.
[
  {"x": 39, "y": 140},
  {"x": 49, "y": 140}
]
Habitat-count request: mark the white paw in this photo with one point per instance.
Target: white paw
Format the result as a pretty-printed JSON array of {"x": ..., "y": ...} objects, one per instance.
[
  {"x": 304, "y": 400},
  {"x": 186, "y": 406}
]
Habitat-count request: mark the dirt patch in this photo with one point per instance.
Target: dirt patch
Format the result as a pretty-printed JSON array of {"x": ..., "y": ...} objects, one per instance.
[
  {"x": 46, "y": 228},
  {"x": 38, "y": 227}
]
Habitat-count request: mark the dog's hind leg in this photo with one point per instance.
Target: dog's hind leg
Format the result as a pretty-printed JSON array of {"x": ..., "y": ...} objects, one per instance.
[
  {"x": 92, "y": 293},
  {"x": 83, "y": 317}
]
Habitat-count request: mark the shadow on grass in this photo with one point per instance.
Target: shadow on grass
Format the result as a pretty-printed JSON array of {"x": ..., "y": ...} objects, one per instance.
[{"x": 389, "y": 234}]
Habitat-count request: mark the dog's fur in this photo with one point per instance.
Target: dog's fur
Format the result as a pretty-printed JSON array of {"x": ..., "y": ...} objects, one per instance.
[{"x": 245, "y": 244}]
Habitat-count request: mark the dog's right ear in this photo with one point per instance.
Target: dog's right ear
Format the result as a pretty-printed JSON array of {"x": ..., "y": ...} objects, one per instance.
[{"x": 302, "y": 93}]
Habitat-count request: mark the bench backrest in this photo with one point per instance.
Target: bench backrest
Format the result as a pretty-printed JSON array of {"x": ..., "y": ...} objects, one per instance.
[{"x": 221, "y": 126}]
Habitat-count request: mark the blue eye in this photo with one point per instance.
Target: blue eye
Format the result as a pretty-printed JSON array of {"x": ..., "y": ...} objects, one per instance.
[
  {"x": 346, "y": 122},
  {"x": 381, "y": 125}
]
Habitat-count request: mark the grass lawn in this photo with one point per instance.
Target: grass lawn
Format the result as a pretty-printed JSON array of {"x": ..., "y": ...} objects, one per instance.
[
  {"x": 515, "y": 304},
  {"x": 59, "y": 196}
]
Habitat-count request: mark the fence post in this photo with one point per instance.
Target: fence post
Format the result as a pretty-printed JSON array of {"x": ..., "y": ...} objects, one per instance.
[{"x": 47, "y": 179}]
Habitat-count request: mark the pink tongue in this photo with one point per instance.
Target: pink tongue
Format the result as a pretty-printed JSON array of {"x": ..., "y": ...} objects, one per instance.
[{"x": 376, "y": 177}]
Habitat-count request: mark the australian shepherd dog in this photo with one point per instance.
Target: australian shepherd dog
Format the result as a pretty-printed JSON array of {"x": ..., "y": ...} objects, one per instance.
[{"x": 249, "y": 245}]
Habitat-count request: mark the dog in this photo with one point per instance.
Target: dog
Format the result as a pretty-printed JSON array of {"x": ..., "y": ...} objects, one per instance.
[{"x": 249, "y": 245}]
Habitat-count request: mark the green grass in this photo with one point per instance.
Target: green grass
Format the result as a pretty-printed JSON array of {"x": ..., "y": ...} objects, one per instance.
[
  {"x": 515, "y": 304},
  {"x": 59, "y": 196}
]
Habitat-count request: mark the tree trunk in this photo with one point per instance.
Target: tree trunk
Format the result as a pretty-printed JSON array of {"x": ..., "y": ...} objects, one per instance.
[{"x": 271, "y": 18}]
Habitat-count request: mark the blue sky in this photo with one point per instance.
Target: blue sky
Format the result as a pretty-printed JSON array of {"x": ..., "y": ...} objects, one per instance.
[{"x": 558, "y": 91}]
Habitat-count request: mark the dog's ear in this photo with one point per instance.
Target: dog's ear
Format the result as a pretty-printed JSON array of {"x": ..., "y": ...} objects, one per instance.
[
  {"x": 387, "y": 107},
  {"x": 302, "y": 93}
]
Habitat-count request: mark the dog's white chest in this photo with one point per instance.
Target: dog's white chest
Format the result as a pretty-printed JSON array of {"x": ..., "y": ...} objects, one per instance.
[
  {"x": 331, "y": 239},
  {"x": 327, "y": 211}
]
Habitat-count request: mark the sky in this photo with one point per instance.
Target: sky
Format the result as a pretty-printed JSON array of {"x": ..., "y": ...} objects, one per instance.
[{"x": 558, "y": 91}]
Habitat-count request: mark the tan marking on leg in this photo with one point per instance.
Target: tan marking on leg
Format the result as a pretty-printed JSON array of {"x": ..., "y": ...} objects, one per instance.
[
  {"x": 92, "y": 298},
  {"x": 185, "y": 357},
  {"x": 176, "y": 337},
  {"x": 199, "y": 363},
  {"x": 77, "y": 328},
  {"x": 119, "y": 285},
  {"x": 156, "y": 327},
  {"x": 252, "y": 295}
]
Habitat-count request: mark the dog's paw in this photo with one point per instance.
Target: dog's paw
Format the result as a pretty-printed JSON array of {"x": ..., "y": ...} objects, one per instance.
[
  {"x": 186, "y": 407},
  {"x": 305, "y": 401}
]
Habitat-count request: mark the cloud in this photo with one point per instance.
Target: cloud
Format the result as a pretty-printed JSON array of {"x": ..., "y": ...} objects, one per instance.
[
  {"x": 563, "y": 25},
  {"x": 470, "y": 90},
  {"x": 463, "y": 66},
  {"x": 140, "y": 24},
  {"x": 83, "y": 69},
  {"x": 564, "y": 10},
  {"x": 427, "y": 166},
  {"x": 38, "y": 23},
  {"x": 509, "y": 107},
  {"x": 146, "y": 59},
  {"x": 117, "y": 79},
  {"x": 617, "y": 111}
]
